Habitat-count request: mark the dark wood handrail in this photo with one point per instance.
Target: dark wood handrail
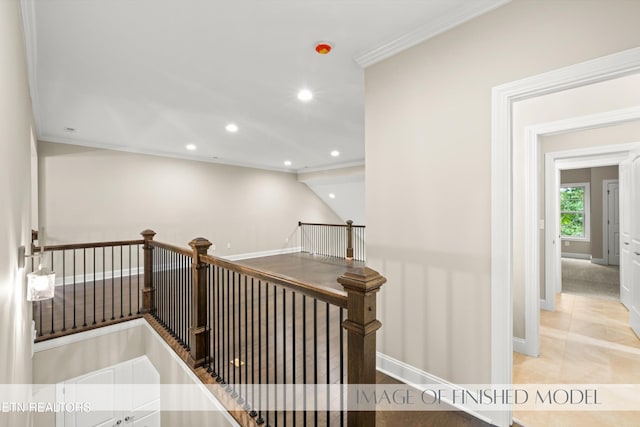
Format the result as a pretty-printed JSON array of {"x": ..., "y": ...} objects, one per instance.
[
  {"x": 173, "y": 248},
  {"x": 87, "y": 245},
  {"x": 300, "y": 223},
  {"x": 322, "y": 293}
]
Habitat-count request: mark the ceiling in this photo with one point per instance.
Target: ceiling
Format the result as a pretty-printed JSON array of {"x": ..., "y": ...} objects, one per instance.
[{"x": 153, "y": 76}]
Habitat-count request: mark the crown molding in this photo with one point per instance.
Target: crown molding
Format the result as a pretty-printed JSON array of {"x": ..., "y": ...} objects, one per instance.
[
  {"x": 437, "y": 25},
  {"x": 195, "y": 158}
]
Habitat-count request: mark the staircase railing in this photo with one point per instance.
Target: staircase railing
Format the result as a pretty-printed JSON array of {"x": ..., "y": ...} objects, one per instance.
[
  {"x": 333, "y": 240},
  {"x": 250, "y": 328},
  {"x": 97, "y": 284}
]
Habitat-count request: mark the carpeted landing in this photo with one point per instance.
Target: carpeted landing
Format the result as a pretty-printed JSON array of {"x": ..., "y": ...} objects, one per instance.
[{"x": 582, "y": 277}]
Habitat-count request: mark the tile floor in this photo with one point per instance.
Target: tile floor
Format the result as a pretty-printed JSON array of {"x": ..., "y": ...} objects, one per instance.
[{"x": 586, "y": 340}]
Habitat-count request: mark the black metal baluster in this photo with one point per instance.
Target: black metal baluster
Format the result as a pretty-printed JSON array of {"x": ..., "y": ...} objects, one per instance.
[
  {"x": 266, "y": 338},
  {"x": 185, "y": 321},
  {"x": 233, "y": 335},
  {"x": 84, "y": 287},
  {"x": 172, "y": 278},
  {"x": 219, "y": 308},
  {"x": 121, "y": 285},
  {"x": 341, "y": 329},
  {"x": 129, "y": 281},
  {"x": 161, "y": 272},
  {"x": 189, "y": 294},
  {"x": 253, "y": 412},
  {"x": 328, "y": 365},
  {"x": 246, "y": 406},
  {"x": 304, "y": 357},
  {"x": 64, "y": 293},
  {"x": 74, "y": 290},
  {"x": 227, "y": 377},
  {"x": 104, "y": 285},
  {"x": 260, "y": 419},
  {"x": 94, "y": 286},
  {"x": 293, "y": 350},
  {"x": 275, "y": 353},
  {"x": 284, "y": 355},
  {"x": 315, "y": 359},
  {"x": 138, "y": 278},
  {"x": 54, "y": 294},
  {"x": 113, "y": 284}
]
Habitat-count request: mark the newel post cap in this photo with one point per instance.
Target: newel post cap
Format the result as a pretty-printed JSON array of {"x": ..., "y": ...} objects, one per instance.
[
  {"x": 148, "y": 234},
  {"x": 349, "y": 223},
  {"x": 362, "y": 279},
  {"x": 200, "y": 244}
]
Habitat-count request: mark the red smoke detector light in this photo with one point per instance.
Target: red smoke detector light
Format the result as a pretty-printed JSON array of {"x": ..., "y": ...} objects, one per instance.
[{"x": 323, "y": 48}]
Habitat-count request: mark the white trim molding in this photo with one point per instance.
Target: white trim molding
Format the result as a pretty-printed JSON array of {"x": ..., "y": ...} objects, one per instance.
[
  {"x": 575, "y": 255},
  {"x": 436, "y": 25},
  {"x": 503, "y": 97},
  {"x": 419, "y": 379}
]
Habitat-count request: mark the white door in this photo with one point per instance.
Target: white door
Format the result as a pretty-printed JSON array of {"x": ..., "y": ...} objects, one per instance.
[
  {"x": 613, "y": 223},
  {"x": 101, "y": 396},
  {"x": 116, "y": 391},
  {"x": 625, "y": 233},
  {"x": 634, "y": 311}
]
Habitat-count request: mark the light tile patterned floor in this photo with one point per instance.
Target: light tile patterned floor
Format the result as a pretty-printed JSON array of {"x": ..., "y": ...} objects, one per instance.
[{"x": 586, "y": 341}]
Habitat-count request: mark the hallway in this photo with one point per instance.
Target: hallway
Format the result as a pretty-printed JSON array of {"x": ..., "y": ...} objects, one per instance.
[{"x": 587, "y": 340}]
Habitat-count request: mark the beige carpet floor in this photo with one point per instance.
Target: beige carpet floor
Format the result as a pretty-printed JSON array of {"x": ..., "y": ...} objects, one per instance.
[{"x": 582, "y": 277}]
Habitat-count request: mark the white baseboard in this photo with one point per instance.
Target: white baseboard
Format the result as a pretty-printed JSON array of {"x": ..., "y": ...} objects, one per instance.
[
  {"x": 108, "y": 275},
  {"x": 520, "y": 345},
  {"x": 416, "y": 377},
  {"x": 544, "y": 305},
  {"x": 575, "y": 255},
  {"x": 91, "y": 333},
  {"x": 599, "y": 261},
  {"x": 271, "y": 252}
]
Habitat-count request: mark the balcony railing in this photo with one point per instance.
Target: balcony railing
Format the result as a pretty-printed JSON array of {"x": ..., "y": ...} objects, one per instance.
[
  {"x": 247, "y": 329},
  {"x": 333, "y": 240}
]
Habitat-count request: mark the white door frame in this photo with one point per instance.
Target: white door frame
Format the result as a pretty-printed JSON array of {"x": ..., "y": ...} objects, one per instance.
[
  {"x": 503, "y": 97},
  {"x": 605, "y": 216}
]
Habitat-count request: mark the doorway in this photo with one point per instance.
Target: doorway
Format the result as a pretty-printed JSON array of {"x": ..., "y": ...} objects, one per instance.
[{"x": 503, "y": 98}]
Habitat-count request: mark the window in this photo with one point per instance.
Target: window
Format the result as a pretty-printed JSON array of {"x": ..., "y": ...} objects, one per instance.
[{"x": 574, "y": 211}]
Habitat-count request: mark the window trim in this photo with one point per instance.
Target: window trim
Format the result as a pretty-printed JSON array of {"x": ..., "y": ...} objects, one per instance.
[{"x": 587, "y": 212}]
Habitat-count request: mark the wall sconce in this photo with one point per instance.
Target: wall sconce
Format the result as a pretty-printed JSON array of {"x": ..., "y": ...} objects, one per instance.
[{"x": 40, "y": 283}]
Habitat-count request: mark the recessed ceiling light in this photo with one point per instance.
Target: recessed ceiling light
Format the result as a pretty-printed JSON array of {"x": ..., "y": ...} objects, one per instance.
[
  {"x": 232, "y": 128},
  {"x": 190, "y": 147},
  {"x": 305, "y": 95},
  {"x": 335, "y": 153},
  {"x": 331, "y": 195},
  {"x": 287, "y": 162}
]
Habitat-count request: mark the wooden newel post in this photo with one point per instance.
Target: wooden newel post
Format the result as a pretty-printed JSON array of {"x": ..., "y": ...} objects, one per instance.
[
  {"x": 362, "y": 285},
  {"x": 349, "y": 239},
  {"x": 148, "y": 291},
  {"x": 198, "y": 332}
]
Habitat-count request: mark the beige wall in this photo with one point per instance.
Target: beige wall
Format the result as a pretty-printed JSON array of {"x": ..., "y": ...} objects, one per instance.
[
  {"x": 428, "y": 150},
  {"x": 89, "y": 194},
  {"x": 15, "y": 215},
  {"x": 597, "y": 176}
]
